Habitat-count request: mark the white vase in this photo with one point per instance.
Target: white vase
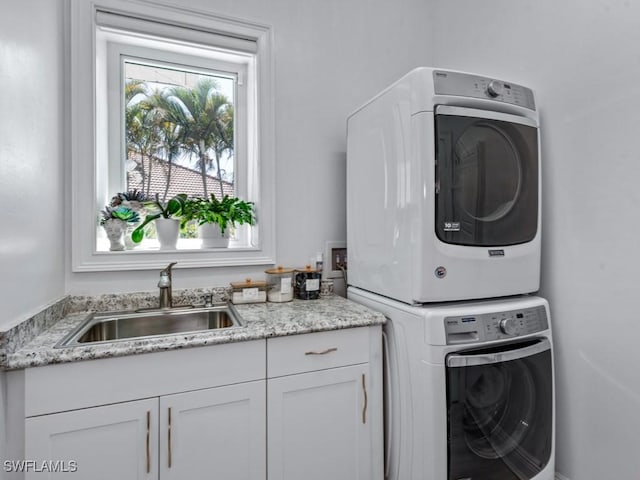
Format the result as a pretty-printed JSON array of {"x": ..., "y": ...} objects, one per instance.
[
  {"x": 212, "y": 237},
  {"x": 168, "y": 230},
  {"x": 114, "y": 229}
]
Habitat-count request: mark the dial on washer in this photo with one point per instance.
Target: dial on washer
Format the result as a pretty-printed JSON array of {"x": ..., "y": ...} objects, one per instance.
[
  {"x": 508, "y": 326},
  {"x": 495, "y": 88}
]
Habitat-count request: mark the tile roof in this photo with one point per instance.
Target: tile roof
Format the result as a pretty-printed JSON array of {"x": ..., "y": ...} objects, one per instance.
[{"x": 183, "y": 180}]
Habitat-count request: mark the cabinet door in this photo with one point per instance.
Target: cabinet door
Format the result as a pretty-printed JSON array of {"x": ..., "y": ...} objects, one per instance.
[
  {"x": 319, "y": 425},
  {"x": 103, "y": 443},
  {"x": 214, "y": 433}
]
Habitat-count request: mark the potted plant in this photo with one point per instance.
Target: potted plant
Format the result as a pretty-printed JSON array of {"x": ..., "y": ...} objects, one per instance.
[
  {"x": 216, "y": 218},
  {"x": 167, "y": 221},
  {"x": 135, "y": 200},
  {"x": 115, "y": 221}
]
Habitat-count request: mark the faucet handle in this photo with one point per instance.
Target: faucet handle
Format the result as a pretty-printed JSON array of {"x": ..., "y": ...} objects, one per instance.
[{"x": 208, "y": 300}]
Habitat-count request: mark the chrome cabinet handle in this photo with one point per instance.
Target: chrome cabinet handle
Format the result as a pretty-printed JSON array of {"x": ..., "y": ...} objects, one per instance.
[
  {"x": 169, "y": 440},
  {"x": 366, "y": 400},
  {"x": 148, "y": 441},
  {"x": 322, "y": 352}
]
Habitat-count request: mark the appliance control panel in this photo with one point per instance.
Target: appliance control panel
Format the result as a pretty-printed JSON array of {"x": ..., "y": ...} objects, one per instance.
[
  {"x": 465, "y": 85},
  {"x": 487, "y": 327}
]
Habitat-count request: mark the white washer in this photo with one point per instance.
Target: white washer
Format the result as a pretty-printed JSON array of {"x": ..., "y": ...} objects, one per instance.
[
  {"x": 469, "y": 389},
  {"x": 443, "y": 189}
]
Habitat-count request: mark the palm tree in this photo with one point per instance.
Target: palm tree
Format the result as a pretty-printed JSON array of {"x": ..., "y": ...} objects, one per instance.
[
  {"x": 142, "y": 137},
  {"x": 132, "y": 89},
  {"x": 171, "y": 134},
  {"x": 204, "y": 117},
  {"x": 224, "y": 140},
  {"x": 141, "y": 134}
]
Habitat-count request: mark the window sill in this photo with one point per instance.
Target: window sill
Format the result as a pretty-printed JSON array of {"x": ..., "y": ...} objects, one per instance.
[
  {"x": 184, "y": 245},
  {"x": 188, "y": 258}
]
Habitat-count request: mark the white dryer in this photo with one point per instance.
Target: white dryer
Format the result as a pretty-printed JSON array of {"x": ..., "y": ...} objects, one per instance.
[
  {"x": 443, "y": 189},
  {"x": 469, "y": 389}
]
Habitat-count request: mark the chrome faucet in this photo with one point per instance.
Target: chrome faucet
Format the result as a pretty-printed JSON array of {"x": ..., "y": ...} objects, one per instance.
[{"x": 166, "y": 297}]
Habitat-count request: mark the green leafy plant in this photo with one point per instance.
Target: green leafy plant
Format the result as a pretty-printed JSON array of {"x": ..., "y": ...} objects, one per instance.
[
  {"x": 172, "y": 209},
  {"x": 228, "y": 212},
  {"x": 119, "y": 213}
]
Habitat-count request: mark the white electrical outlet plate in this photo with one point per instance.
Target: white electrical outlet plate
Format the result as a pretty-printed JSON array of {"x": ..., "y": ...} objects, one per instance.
[{"x": 331, "y": 249}]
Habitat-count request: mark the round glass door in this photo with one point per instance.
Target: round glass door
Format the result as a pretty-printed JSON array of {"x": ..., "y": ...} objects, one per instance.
[
  {"x": 498, "y": 407},
  {"x": 488, "y": 176},
  {"x": 486, "y": 181},
  {"x": 500, "y": 416}
]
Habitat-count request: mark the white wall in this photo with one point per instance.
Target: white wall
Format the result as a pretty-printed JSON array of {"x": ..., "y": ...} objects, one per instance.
[
  {"x": 582, "y": 58},
  {"x": 330, "y": 56},
  {"x": 31, "y": 172}
]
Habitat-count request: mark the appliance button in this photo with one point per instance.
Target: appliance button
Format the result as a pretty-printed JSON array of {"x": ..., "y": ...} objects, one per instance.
[
  {"x": 508, "y": 326},
  {"x": 494, "y": 88}
]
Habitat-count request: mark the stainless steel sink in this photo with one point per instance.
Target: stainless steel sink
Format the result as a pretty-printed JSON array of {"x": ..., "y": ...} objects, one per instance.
[{"x": 112, "y": 327}]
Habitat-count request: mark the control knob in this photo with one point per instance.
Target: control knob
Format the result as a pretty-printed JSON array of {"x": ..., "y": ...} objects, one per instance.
[
  {"x": 508, "y": 326},
  {"x": 494, "y": 88}
]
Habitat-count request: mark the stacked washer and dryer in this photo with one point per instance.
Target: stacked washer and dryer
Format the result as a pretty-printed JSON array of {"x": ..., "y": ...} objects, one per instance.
[{"x": 443, "y": 215}]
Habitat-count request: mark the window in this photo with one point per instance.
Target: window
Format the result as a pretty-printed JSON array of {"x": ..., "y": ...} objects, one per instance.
[{"x": 167, "y": 101}]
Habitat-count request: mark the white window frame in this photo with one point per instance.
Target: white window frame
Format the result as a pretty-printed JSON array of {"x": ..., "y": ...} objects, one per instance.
[
  {"x": 120, "y": 48},
  {"x": 87, "y": 198}
]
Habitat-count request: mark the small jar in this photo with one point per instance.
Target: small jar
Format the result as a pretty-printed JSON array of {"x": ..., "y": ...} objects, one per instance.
[
  {"x": 307, "y": 283},
  {"x": 249, "y": 292},
  {"x": 279, "y": 284},
  {"x": 326, "y": 288}
]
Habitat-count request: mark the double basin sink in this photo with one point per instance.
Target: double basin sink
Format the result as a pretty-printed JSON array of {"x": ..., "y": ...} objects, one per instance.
[{"x": 143, "y": 323}]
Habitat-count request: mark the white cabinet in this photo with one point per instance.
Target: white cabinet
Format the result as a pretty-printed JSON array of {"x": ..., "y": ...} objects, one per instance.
[
  {"x": 288, "y": 408},
  {"x": 101, "y": 443},
  {"x": 212, "y": 433},
  {"x": 318, "y": 426},
  {"x": 111, "y": 416},
  {"x": 324, "y": 406}
]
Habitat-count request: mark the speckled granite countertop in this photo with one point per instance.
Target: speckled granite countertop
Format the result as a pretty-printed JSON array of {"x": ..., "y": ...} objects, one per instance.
[{"x": 263, "y": 320}]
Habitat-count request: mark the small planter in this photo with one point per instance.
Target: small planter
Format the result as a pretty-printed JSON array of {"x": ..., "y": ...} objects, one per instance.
[
  {"x": 167, "y": 221},
  {"x": 114, "y": 229},
  {"x": 212, "y": 237},
  {"x": 213, "y": 216},
  {"x": 167, "y": 230}
]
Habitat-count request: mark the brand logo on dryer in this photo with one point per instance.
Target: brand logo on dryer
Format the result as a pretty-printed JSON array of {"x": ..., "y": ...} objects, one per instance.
[
  {"x": 496, "y": 253},
  {"x": 451, "y": 226}
]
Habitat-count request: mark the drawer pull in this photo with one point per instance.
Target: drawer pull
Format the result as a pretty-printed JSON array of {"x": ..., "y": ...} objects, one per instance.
[
  {"x": 322, "y": 352},
  {"x": 364, "y": 406},
  {"x": 169, "y": 440},
  {"x": 148, "y": 448}
]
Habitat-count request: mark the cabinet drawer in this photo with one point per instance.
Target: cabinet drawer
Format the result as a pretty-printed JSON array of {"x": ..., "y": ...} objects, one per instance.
[
  {"x": 317, "y": 351},
  {"x": 70, "y": 386}
]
